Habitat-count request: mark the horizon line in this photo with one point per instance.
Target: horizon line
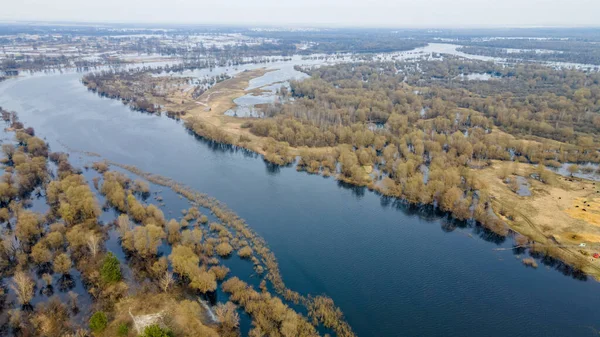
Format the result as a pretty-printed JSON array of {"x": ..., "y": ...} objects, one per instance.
[{"x": 294, "y": 25}]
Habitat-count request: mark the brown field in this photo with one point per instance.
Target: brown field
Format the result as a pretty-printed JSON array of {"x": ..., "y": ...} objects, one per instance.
[{"x": 554, "y": 216}]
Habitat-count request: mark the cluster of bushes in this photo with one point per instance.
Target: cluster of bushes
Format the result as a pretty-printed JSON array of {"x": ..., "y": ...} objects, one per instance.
[
  {"x": 208, "y": 131},
  {"x": 246, "y": 241},
  {"x": 69, "y": 237},
  {"x": 270, "y": 315}
]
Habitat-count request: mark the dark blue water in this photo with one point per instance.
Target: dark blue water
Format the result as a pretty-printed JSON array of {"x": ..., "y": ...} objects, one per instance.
[{"x": 393, "y": 271}]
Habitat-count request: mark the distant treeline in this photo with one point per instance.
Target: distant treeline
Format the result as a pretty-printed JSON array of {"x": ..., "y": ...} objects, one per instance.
[
  {"x": 537, "y": 50},
  {"x": 343, "y": 41}
]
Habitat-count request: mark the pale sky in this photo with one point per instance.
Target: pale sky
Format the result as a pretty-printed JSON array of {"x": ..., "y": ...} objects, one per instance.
[{"x": 396, "y": 13}]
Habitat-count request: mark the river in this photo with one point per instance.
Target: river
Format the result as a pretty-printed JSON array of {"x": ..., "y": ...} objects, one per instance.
[{"x": 393, "y": 270}]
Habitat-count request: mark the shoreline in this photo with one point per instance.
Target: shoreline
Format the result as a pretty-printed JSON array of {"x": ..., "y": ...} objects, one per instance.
[{"x": 205, "y": 118}]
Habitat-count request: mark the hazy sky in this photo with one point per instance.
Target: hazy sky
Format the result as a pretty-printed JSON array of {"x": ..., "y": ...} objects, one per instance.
[{"x": 399, "y": 13}]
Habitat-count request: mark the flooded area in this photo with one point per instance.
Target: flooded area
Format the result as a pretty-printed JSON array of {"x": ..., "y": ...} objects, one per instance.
[
  {"x": 389, "y": 266},
  {"x": 524, "y": 188},
  {"x": 246, "y": 105},
  {"x": 475, "y": 77},
  {"x": 283, "y": 70},
  {"x": 589, "y": 171}
]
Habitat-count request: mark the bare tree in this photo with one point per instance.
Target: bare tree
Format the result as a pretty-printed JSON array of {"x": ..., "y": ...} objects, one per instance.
[
  {"x": 228, "y": 315},
  {"x": 72, "y": 299},
  {"x": 124, "y": 224},
  {"x": 10, "y": 245},
  {"x": 93, "y": 244},
  {"x": 166, "y": 281},
  {"x": 23, "y": 286}
]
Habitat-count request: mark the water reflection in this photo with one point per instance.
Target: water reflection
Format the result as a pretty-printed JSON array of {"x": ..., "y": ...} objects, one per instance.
[
  {"x": 357, "y": 191},
  {"x": 271, "y": 168},
  {"x": 560, "y": 266}
]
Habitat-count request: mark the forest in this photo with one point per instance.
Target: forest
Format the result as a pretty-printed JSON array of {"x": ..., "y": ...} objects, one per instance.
[
  {"x": 546, "y": 50},
  {"x": 422, "y": 134},
  {"x": 344, "y": 40},
  {"x": 419, "y": 133}
]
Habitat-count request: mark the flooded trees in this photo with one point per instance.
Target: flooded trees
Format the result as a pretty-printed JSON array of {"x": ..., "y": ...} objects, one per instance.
[
  {"x": 224, "y": 249},
  {"x": 73, "y": 199},
  {"x": 173, "y": 231},
  {"x": 71, "y": 242},
  {"x": 202, "y": 280},
  {"x": 220, "y": 272},
  {"x": 28, "y": 226},
  {"x": 52, "y": 318},
  {"x": 245, "y": 252},
  {"x": 573, "y": 169},
  {"x": 23, "y": 286},
  {"x": 114, "y": 192},
  {"x": 146, "y": 240},
  {"x": 229, "y": 318},
  {"x": 135, "y": 209},
  {"x": 183, "y": 260},
  {"x": 40, "y": 253},
  {"x": 186, "y": 263},
  {"x": 270, "y": 315},
  {"x": 62, "y": 264},
  {"x": 324, "y": 310},
  {"x": 111, "y": 269}
]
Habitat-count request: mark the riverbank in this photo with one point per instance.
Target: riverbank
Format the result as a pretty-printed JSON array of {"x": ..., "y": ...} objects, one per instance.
[
  {"x": 558, "y": 217},
  {"x": 205, "y": 116}
]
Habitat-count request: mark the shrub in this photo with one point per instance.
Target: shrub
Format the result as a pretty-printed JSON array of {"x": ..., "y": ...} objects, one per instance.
[
  {"x": 156, "y": 331},
  {"x": 141, "y": 186},
  {"x": 224, "y": 249},
  {"x": 111, "y": 269},
  {"x": 123, "y": 329},
  {"x": 245, "y": 252},
  {"x": 220, "y": 272},
  {"x": 530, "y": 262},
  {"x": 100, "y": 166},
  {"x": 98, "y": 321},
  {"x": 573, "y": 169}
]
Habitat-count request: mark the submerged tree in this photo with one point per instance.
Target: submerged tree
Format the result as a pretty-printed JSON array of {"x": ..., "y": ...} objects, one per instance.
[
  {"x": 62, "y": 264},
  {"x": 23, "y": 286}
]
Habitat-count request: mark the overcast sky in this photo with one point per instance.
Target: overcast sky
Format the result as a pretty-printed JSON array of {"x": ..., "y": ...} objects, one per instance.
[{"x": 397, "y": 13}]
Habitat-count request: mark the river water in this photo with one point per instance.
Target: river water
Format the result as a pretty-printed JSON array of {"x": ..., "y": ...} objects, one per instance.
[{"x": 393, "y": 270}]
